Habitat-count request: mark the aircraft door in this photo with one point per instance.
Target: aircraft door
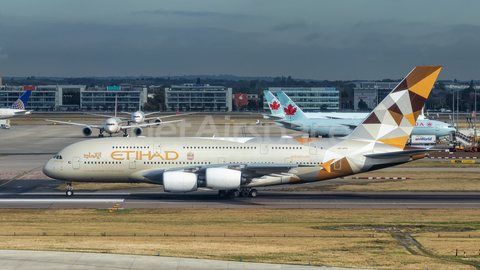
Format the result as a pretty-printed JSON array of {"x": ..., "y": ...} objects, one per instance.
[
  {"x": 132, "y": 163},
  {"x": 337, "y": 165},
  {"x": 76, "y": 163},
  {"x": 222, "y": 160},
  {"x": 288, "y": 160},
  {"x": 437, "y": 127},
  {"x": 313, "y": 148},
  {"x": 264, "y": 148}
]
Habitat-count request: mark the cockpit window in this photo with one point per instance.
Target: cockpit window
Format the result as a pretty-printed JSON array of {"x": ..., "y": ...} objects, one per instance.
[{"x": 58, "y": 157}]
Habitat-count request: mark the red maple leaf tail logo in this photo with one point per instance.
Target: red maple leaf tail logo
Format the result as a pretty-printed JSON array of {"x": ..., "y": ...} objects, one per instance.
[
  {"x": 290, "y": 110},
  {"x": 274, "y": 106}
]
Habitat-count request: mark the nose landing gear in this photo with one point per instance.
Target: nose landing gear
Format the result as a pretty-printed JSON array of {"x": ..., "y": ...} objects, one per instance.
[{"x": 69, "y": 190}]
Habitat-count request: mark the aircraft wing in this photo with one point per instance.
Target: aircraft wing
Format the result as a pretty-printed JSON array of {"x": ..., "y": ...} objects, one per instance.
[
  {"x": 75, "y": 124},
  {"x": 351, "y": 126},
  {"x": 289, "y": 124},
  {"x": 248, "y": 170},
  {"x": 149, "y": 124},
  {"x": 165, "y": 116},
  {"x": 273, "y": 117}
]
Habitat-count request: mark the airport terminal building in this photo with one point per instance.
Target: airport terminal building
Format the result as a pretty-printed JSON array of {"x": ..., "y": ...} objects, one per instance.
[
  {"x": 371, "y": 93},
  {"x": 310, "y": 98},
  {"x": 76, "y": 97},
  {"x": 198, "y": 97}
]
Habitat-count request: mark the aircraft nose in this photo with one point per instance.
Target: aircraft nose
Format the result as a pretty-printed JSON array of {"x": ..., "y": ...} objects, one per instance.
[{"x": 49, "y": 169}]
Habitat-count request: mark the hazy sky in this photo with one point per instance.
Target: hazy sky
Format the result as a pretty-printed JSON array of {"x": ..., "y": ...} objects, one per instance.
[{"x": 357, "y": 39}]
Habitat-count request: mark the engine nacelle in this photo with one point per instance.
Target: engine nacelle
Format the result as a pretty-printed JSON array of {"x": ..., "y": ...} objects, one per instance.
[
  {"x": 179, "y": 182},
  {"x": 223, "y": 179},
  {"x": 87, "y": 131},
  {"x": 158, "y": 120},
  {"x": 137, "y": 131}
]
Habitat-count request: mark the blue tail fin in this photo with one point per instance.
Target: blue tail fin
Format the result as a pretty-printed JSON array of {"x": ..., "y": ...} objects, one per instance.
[
  {"x": 276, "y": 108},
  {"x": 21, "y": 103},
  {"x": 292, "y": 111}
]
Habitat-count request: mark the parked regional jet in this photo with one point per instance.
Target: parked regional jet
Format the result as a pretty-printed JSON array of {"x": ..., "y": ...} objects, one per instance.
[
  {"x": 296, "y": 119},
  {"x": 235, "y": 166},
  {"x": 17, "y": 108},
  {"x": 112, "y": 125}
]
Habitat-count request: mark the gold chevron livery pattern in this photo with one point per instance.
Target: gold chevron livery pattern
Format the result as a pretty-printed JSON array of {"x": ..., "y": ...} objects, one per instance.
[{"x": 392, "y": 121}]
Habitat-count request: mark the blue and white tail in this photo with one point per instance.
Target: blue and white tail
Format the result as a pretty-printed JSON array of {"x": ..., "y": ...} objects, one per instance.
[
  {"x": 291, "y": 110},
  {"x": 21, "y": 103},
  {"x": 274, "y": 105}
]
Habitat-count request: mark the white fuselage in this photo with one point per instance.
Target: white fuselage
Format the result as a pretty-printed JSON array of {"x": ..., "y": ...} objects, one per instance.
[{"x": 8, "y": 113}]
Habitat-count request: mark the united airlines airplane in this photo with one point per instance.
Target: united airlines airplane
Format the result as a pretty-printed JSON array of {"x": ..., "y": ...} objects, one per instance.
[
  {"x": 236, "y": 166},
  {"x": 17, "y": 108}
]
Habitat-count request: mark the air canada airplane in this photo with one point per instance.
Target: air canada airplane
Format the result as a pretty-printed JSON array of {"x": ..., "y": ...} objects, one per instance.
[
  {"x": 113, "y": 125},
  {"x": 17, "y": 108},
  {"x": 236, "y": 166},
  {"x": 296, "y": 119}
]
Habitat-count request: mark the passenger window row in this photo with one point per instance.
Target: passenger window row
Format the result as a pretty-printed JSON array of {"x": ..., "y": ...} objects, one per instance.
[
  {"x": 102, "y": 162},
  {"x": 220, "y": 147},
  {"x": 130, "y": 147}
]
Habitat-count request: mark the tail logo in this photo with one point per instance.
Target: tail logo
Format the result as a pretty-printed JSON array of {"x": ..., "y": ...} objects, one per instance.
[
  {"x": 18, "y": 105},
  {"x": 274, "y": 106},
  {"x": 290, "y": 110}
]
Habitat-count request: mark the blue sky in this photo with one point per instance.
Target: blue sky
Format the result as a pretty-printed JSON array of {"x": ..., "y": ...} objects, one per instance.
[{"x": 368, "y": 39}]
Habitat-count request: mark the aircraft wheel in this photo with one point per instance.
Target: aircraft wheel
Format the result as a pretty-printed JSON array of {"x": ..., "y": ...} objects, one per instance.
[
  {"x": 244, "y": 193},
  {"x": 69, "y": 193},
  {"x": 222, "y": 193},
  {"x": 100, "y": 135},
  {"x": 253, "y": 193},
  {"x": 234, "y": 193},
  {"x": 125, "y": 135}
]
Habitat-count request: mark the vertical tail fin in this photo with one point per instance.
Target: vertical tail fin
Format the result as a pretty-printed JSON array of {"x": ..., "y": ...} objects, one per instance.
[
  {"x": 274, "y": 105},
  {"x": 21, "y": 102},
  {"x": 292, "y": 111},
  {"x": 392, "y": 121}
]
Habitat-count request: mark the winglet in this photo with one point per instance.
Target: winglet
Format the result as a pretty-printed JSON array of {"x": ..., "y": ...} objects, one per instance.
[
  {"x": 392, "y": 121},
  {"x": 21, "y": 103}
]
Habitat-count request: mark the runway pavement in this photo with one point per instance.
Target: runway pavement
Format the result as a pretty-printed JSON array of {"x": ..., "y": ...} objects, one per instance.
[{"x": 25, "y": 148}]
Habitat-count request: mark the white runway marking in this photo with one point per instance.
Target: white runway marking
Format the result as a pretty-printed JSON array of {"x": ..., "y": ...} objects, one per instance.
[{"x": 64, "y": 200}]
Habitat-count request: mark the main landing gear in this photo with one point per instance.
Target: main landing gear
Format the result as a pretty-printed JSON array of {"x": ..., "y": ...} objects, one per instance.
[
  {"x": 101, "y": 134},
  {"x": 243, "y": 192},
  {"x": 125, "y": 133},
  {"x": 69, "y": 190}
]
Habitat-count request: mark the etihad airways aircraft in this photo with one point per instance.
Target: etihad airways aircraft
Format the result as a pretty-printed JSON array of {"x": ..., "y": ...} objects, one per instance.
[
  {"x": 17, "y": 108},
  {"x": 235, "y": 166},
  {"x": 294, "y": 118},
  {"x": 113, "y": 125}
]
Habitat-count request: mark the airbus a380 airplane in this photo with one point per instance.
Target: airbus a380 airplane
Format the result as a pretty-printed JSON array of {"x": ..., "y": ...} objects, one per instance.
[
  {"x": 17, "y": 108},
  {"x": 294, "y": 118},
  {"x": 236, "y": 166}
]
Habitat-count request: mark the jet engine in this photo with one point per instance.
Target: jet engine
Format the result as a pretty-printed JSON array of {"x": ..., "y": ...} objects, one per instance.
[
  {"x": 137, "y": 131},
  {"x": 158, "y": 120},
  {"x": 87, "y": 131},
  {"x": 223, "y": 179},
  {"x": 179, "y": 182}
]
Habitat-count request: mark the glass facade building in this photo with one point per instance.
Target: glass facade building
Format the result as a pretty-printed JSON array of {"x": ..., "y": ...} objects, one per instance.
[
  {"x": 74, "y": 98},
  {"x": 310, "y": 98},
  {"x": 192, "y": 97},
  {"x": 372, "y": 93}
]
